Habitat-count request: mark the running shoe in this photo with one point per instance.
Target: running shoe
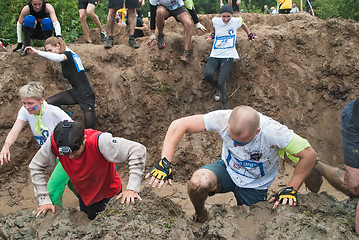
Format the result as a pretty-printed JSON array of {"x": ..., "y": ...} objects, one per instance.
[
  {"x": 184, "y": 57},
  {"x": 132, "y": 42},
  {"x": 103, "y": 36},
  {"x": 161, "y": 41},
  {"x": 217, "y": 96},
  {"x": 22, "y": 50},
  {"x": 109, "y": 42}
]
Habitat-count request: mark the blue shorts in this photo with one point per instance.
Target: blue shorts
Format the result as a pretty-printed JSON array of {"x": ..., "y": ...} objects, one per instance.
[
  {"x": 244, "y": 196},
  {"x": 350, "y": 137}
]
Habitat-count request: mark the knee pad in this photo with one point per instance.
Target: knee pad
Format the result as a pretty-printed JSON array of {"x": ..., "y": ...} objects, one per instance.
[
  {"x": 46, "y": 24},
  {"x": 30, "y": 21}
]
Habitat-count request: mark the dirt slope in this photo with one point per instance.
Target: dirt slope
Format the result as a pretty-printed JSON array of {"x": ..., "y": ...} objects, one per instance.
[{"x": 301, "y": 71}]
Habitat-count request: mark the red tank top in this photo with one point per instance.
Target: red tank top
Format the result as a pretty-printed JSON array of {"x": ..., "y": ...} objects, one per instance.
[{"x": 93, "y": 176}]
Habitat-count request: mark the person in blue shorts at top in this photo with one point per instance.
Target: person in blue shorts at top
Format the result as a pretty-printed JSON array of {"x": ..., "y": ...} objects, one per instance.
[{"x": 253, "y": 145}]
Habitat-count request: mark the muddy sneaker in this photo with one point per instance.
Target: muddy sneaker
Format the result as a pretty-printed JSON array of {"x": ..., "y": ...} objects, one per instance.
[
  {"x": 161, "y": 41},
  {"x": 109, "y": 42},
  {"x": 103, "y": 36},
  {"x": 200, "y": 219},
  {"x": 314, "y": 180},
  {"x": 184, "y": 57},
  {"x": 22, "y": 52},
  {"x": 217, "y": 96},
  {"x": 132, "y": 42}
]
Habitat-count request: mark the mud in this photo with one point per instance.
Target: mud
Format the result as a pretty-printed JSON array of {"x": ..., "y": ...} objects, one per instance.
[{"x": 300, "y": 71}]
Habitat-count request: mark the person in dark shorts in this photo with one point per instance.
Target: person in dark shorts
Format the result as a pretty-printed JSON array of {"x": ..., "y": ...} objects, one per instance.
[
  {"x": 87, "y": 7},
  {"x": 37, "y": 20},
  {"x": 233, "y": 3},
  {"x": 252, "y": 147},
  {"x": 113, "y": 6},
  {"x": 73, "y": 70},
  {"x": 345, "y": 180},
  {"x": 163, "y": 9}
]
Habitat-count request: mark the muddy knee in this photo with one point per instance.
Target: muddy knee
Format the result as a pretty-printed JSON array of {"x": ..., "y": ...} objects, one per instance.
[{"x": 203, "y": 180}]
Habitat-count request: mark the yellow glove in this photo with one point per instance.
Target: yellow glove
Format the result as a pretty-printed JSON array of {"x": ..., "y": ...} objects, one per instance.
[
  {"x": 288, "y": 192},
  {"x": 162, "y": 170}
]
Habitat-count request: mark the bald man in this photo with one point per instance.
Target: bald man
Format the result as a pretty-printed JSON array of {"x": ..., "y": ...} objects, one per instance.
[{"x": 253, "y": 145}]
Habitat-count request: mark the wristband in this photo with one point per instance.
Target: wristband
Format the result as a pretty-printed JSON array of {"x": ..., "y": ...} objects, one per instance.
[
  {"x": 57, "y": 28},
  {"x": 19, "y": 32},
  {"x": 251, "y": 36}
]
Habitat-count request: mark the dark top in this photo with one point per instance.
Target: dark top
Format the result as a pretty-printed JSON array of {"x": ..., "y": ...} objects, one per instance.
[
  {"x": 73, "y": 70},
  {"x": 139, "y": 33},
  {"x": 39, "y": 15}
]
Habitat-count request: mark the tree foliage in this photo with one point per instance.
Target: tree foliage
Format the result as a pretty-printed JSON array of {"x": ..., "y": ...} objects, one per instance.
[{"x": 348, "y": 9}]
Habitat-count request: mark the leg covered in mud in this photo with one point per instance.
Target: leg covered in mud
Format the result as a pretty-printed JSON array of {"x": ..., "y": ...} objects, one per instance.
[
  {"x": 345, "y": 180},
  {"x": 202, "y": 183}
]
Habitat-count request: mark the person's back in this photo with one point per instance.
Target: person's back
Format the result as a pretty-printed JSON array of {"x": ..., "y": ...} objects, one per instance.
[{"x": 285, "y": 6}]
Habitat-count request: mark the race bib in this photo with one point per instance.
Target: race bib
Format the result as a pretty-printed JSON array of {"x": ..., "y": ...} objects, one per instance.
[
  {"x": 224, "y": 42},
  {"x": 173, "y": 6},
  {"x": 78, "y": 62}
]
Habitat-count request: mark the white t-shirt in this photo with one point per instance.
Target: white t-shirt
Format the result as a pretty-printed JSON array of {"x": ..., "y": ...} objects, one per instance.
[
  {"x": 256, "y": 164},
  {"x": 294, "y": 10},
  {"x": 224, "y": 45},
  {"x": 51, "y": 117},
  {"x": 169, "y": 4}
]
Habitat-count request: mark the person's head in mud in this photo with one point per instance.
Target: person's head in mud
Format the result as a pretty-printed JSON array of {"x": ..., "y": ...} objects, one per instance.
[
  {"x": 55, "y": 45},
  {"x": 226, "y": 13},
  {"x": 71, "y": 140},
  {"x": 37, "y": 4},
  {"x": 32, "y": 97},
  {"x": 243, "y": 125}
]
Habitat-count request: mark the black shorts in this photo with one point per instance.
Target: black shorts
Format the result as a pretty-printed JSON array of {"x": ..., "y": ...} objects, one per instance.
[
  {"x": 177, "y": 11},
  {"x": 235, "y": 7},
  {"x": 40, "y": 34},
  {"x": 87, "y": 103},
  {"x": 118, "y": 4},
  {"x": 83, "y": 3}
]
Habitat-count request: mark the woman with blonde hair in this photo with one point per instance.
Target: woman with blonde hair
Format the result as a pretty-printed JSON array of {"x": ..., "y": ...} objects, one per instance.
[
  {"x": 42, "y": 118},
  {"x": 73, "y": 70}
]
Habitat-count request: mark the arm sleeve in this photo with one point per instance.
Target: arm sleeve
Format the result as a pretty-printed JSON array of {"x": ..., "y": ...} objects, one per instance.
[
  {"x": 153, "y": 9},
  {"x": 44, "y": 160},
  {"x": 52, "y": 56},
  {"x": 19, "y": 32},
  {"x": 296, "y": 145},
  {"x": 57, "y": 28},
  {"x": 119, "y": 150}
]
